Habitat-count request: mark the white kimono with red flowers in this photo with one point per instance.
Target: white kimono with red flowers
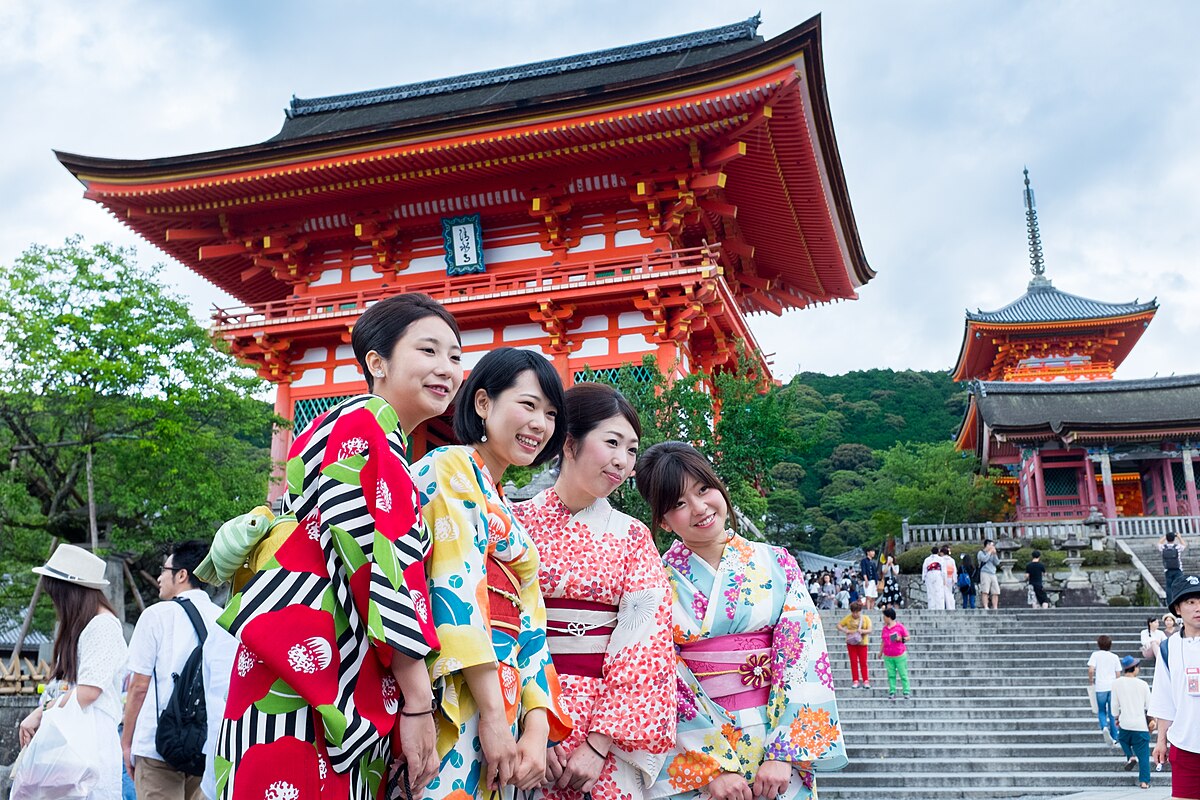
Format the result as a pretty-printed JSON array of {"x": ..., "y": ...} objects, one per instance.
[{"x": 603, "y": 556}]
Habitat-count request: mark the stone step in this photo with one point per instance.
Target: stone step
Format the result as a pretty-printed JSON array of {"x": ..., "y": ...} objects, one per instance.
[
  {"x": 930, "y": 721},
  {"x": 1020, "y": 773},
  {"x": 830, "y": 791},
  {"x": 863, "y": 733},
  {"x": 872, "y": 752}
]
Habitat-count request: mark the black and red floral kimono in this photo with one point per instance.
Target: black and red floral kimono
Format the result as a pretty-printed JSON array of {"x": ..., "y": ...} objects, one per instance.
[{"x": 312, "y": 701}]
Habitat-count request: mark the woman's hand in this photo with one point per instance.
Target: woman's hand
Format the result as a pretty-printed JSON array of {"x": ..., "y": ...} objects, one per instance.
[
  {"x": 499, "y": 750},
  {"x": 29, "y": 726},
  {"x": 729, "y": 786},
  {"x": 531, "y": 750},
  {"x": 556, "y": 761},
  {"x": 418, "y": 736},
  {"x": 584, "y": 765},
  {"x": 772, "y": 779},
  {"x": 418, "y": 743}
]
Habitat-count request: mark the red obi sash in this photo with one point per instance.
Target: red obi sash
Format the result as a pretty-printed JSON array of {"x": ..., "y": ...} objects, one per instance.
[
  {"x": 504, "y": 601},
  {"x": 578, "y": 633},
  {"x": 734, "y": 670}
]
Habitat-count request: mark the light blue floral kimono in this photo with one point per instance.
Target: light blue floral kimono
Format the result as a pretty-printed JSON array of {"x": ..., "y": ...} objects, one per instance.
[{"x": 756, "y": 589}]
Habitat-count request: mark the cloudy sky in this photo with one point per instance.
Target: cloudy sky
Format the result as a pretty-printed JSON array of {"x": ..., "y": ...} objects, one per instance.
[{"x": 937, "y": 107}]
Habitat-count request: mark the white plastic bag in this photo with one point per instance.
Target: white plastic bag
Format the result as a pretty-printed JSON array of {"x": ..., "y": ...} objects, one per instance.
[{"x": 63, "y": 760}]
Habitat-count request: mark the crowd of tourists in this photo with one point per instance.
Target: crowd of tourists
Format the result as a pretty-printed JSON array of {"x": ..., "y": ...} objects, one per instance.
[{"x": 403, "y": 630}]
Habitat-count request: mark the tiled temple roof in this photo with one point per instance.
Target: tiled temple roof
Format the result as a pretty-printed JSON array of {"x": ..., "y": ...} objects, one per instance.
[
  {"x": 1044, "y": 303},
  {"x": 576, "y": 73}
]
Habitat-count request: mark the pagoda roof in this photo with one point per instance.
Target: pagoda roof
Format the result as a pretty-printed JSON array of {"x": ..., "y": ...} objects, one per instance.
[
  {"x": 524, "y": 84},
  {"x": 1043, "y": 303},
  {"x": 230, "y": 214},
  {"x": 1078, "y": 412}
]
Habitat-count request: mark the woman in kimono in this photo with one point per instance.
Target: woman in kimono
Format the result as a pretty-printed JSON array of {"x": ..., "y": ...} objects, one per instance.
[
  {"x": 335, "y": 627},
  {"x": 756, "y": 707},
  {"x": 496, "y": 690},
  {"x": 609, "y": 608}
]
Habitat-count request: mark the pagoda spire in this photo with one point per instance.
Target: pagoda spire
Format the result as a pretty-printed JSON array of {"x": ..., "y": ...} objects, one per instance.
[{"x": 1036, "y": 263}]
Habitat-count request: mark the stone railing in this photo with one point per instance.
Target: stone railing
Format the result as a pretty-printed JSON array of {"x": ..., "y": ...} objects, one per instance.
[{"x": 1054, "y": 529}]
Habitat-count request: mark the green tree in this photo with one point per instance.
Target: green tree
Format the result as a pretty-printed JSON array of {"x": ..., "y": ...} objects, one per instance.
[{"x": 101, "y": 361}]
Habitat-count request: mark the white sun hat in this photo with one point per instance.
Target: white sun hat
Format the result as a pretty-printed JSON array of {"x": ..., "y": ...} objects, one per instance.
[{"x": 75, "y": 565}]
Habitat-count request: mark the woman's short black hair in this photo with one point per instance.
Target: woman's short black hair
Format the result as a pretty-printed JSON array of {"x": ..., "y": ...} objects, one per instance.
[
  {"x": 890, "y": 613},
  {"x": 382, "y": 325},
  {"x": 497, "y": 372},
  {"x": 589, "y": 404},
  {"x": 663, "y": 470}
]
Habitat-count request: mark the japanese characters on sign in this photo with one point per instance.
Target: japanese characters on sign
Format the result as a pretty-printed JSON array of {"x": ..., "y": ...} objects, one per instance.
[{"x": 463, "y": 237}]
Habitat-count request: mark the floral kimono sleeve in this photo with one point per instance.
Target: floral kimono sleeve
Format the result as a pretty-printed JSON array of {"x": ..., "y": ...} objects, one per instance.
[
  {"x": 453, "y": 505},
  {"x": 638, "y": 705},
  {"x": 802, "y": 718}
]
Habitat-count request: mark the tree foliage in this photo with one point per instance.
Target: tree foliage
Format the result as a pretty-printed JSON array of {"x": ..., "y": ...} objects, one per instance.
[{"x": 97, "y": 356}]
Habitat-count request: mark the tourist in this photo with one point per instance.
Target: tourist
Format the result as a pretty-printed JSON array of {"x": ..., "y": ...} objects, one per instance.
[
  {"x": 828, "y": 592},
  {"x": 1103, "y": 668},
  {"x": 842, "y": 598},
  {"x": 869, "y": 567},
  {"x": 334, "y": 629},
  {"x": 857, "y": 628},
  {"x": 1175, "y": 699},
  {"x": 966, "y": 580},
  {"x": 892, "y": 596},
  {"x": 1171, "y": 547},
  {"x": 1130, "y": 704},
  {"x": 89, "y": 659},
  {"x": 989, "y": 583},
  {"x": 935, "y": 581},
  {"x": 756, "y": 706},
  {"x": 950, "y": 573},
  {"x": 1035, "y": 570},
  {"x": 162, "y": 642},
  {"x": 498, "y": 690},
  {"x": 1169, "y": 625},
  {"x": 608, "y": 607},
  {"x": 893, "y": 650},
  {"x": 1152, "y": 637}
]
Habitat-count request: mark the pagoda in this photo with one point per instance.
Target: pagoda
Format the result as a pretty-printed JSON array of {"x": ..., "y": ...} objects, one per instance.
[
  {"x": 595, "y": 209},
  {"x": 1045, "y": 409}
]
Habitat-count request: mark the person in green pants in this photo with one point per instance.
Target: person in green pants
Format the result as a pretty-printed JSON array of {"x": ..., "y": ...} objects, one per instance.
[{"x": 894, "y": 652}]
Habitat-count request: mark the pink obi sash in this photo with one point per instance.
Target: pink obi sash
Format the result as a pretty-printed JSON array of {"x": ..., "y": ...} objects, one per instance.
[
  {"x": 734, "y": 670},
  {"x": 578, "y": 632}
]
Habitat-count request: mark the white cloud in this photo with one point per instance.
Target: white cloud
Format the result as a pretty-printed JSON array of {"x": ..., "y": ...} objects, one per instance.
[{"x": 937, "y": 106}]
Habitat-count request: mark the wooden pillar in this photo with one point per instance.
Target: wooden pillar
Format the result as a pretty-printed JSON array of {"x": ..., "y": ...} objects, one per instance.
[
  {"x": 281, "y": 440},
  {"x": 1168, "y": 474},
  {"x": 1189, "y": 477},
  {"x": 1091, "y": 498},
  {"x": 1110, "y": 497},
  {"x": 1039, "y": 480}
]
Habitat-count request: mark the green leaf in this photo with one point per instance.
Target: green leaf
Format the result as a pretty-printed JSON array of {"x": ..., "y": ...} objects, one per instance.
[
  {"x": 280, "y": 699},
  {"x": 222, "y": 770},
  {"x": 347, "y": 470},
  {"x": 385, "y": 556},
  {"x": 335, "y": 724},
  {"x": 348, "y": 549}
]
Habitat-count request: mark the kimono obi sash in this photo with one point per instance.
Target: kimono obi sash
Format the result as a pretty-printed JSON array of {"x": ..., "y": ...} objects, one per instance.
[
  {"x": 578, "y": 632},
  {"x": 734, "y": 670},
  {"x": 504, "y": 600}
]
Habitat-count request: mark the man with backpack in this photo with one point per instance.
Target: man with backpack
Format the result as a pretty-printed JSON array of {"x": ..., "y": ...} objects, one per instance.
[
  {"x": 165, "y": 659},
  {"x": 1175, "y": 699},
  {"x": 1171, "y": 547}
]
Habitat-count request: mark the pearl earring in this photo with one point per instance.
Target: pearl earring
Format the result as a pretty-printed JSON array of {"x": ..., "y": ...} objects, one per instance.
[{"x": 483, "y": 438}]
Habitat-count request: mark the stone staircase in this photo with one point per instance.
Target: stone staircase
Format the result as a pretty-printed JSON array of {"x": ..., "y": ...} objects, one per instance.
[
  {"x": 1000, "y": 707},
  {"x": 1145, "y": 548}
]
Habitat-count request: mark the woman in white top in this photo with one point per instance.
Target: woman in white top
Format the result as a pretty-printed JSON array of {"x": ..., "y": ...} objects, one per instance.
[
  {"x": 1152, "y": 637},
  {"x": 89, "y": 657}
]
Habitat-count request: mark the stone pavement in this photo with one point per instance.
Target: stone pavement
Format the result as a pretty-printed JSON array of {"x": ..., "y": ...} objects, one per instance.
[{"x": 1160, "y": 792}]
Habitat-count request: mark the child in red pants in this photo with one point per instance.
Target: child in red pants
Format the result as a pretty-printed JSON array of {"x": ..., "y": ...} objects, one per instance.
[{"x": 857, "y": 627}]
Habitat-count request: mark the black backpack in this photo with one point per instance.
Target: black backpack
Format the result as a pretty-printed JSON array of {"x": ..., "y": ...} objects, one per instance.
[
  {"x": 1170, "y": 557},
  {"x": 183, "y": 724}
]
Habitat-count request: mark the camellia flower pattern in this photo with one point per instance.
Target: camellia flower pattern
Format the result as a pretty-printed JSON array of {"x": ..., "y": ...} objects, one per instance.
[
  {"x": 473, "y": 525},
  {"x": 756, "y": 588},
  {"x": 312, "y": 701},
  {"x": 605, "y": 556}
]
